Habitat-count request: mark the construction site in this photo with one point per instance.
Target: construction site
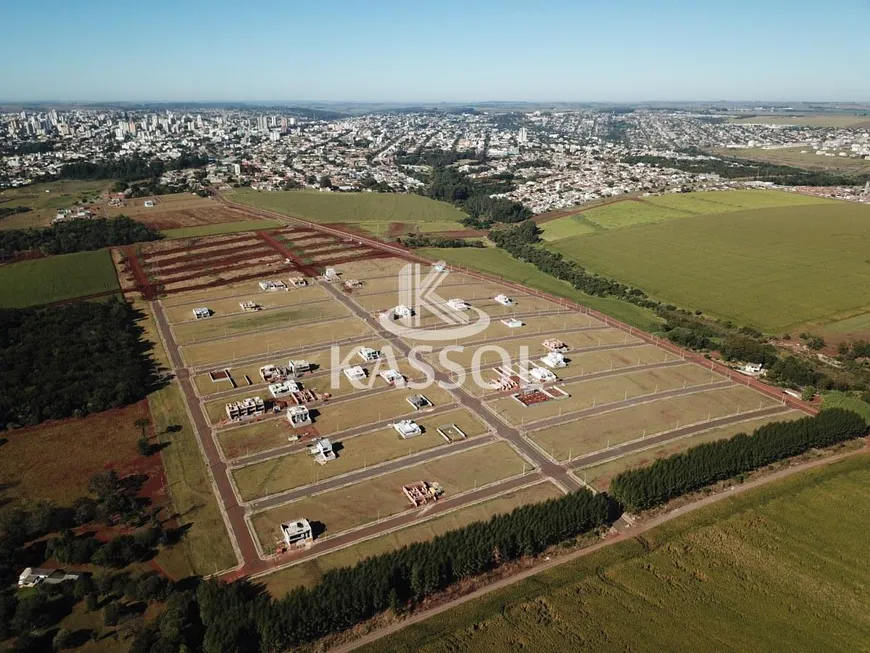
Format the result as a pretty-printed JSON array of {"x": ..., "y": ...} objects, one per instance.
[{"x": 321, "y": 436}]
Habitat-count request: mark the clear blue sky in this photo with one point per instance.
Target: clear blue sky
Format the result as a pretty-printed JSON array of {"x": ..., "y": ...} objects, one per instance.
[{"x": 425, "y": 50}]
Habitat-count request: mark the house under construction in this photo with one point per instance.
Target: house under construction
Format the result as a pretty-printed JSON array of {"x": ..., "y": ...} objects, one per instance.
[{"x": 422, "y": 493}]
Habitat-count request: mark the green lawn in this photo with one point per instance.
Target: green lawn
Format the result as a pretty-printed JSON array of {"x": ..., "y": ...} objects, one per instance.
[
  {"x": 224, "y": 228},
  {"x": 781, "y": 568},
  {"x": 772, "y": 268},
  {"x": 56, "y": 278},
  {"x": 496, "y": 261},
  {"x": 357, "y": 208}
]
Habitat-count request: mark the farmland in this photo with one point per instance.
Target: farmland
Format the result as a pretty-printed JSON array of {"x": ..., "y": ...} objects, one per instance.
[
  {"x": 219, "y": 228},
  {"x": 45, "y": 199},
  {"x": 765, "y": 553},
  {"x": 804, "y": 157},
  {"x": 58, "y": 278},
  {"x": 808, "y": 120},
  {"x": 372, "y": 212},
  {"x": 772, "y": 268}
]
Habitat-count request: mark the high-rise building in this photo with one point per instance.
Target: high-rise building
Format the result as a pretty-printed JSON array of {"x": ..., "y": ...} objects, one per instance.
[{"x": 523, "y": 135}]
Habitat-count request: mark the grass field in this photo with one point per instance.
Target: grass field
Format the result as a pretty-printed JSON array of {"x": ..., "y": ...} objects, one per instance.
[
  {"x": 836, "y": 399},
  {"x": 365, "y": 502},
  {"x": 225, "y": 228},
  {"x": 298, "y": 469},
  {"x": 600, "y": 432},
  {"x": 498, "y": 262},
  {"x": 780, "y": 568},
  {"x": 56, "y": 278},
  {"x": 308, "y": 573},
  {"x": 599, "y": 476},
  {"x": 771, "y": 268},
  {"x": 31, "y": 469},
  {"x": 810, "y": 120},
  {"x": 570, "y": 225},
  {"x": 45, "y": 200},
  {"x": 804, "y": 157},
  {"x": 365, "y": 210}
]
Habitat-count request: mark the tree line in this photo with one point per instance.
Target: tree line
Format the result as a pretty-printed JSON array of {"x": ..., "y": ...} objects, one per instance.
[
  {"x": 642, "y": 488},
  {"x": 437, "y": 157},
  {"x": 76, "y": 236},
  {"x": 130, "y": 168},
  {"x": 423, "y": 240},
  {"x": 6, "y": 211},
  {"x": 71, "y": 360}
]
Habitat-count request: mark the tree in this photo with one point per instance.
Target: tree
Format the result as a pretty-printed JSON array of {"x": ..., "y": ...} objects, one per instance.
[
  {"x": 61, "y": 639},
  {"x": 325, "y": 182},
  {"x": 92, "y": 602},
  {"x": 111, "y": 614},
  {"x": 143, "y": 446},
  {"x": 141, "y": 424}
]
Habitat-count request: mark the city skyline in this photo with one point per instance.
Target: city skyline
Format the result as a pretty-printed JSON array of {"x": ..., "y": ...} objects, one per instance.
[{"x": 394, "y": 52}]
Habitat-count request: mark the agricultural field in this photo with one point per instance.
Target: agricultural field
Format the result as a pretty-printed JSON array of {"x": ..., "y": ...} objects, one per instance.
[
  {"x": 773, "y": 268},
  {"x": 804, "y": 157},
  {"x": 220, "y": 228},
  {"x": 570, "y": 225},
  {"x": 46, "y": 199},
  {"x": 180, "y": 211},
  {"x": 372, "y": 212},
  {"x": 811, "y": 120},
  {"x": 57, "y": 278},
  {"x": 368, "y": 501},
  {"x": 309, "y": 572},
  {"x": 766, "y": 553}
]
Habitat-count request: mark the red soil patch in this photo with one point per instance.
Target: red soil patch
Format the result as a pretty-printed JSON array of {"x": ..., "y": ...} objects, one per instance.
[{"x": 396, "y": 229}]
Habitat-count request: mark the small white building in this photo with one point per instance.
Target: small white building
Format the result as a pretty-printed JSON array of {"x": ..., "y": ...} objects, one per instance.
[
  {"x": 458, "y": 304},
  {"x": 440, "y": 267},
  {"x": 418, "y": 402},
  {"x": 149, "y": 204},
  {"x": 249, "y": 307},
  {"x": 297, "y": 532},
  {"x": 554, "y": 344},
  {"x": 554, "y": 359},
  {"x": 504, "y": 300},
  {"x": 299, "y": 416},
  {"x": 283, "y": 388},
  {"x": 33, "y": 576},
  {"x": 751, "y": 369},
  {"x": 249, "y": 407},
  {"x": 355, "y": 373},
  {"x": 401, "y": 312},
  {"x": 299, "y": 367},
  {"x": 407, "y": 428},
  {"x": 330, "y": 275},
  {"x": 542, "y": 375},
  {"x": 392, "y": 377},
  {"x": 369, "y": 355},
  {"x": 512, "y": 323},
  {"x": 322, "y": 451},
  {"x": 201, "y": 313},
  {"x": 273, "y": 286},
  {"x": 298, "y": 282}
]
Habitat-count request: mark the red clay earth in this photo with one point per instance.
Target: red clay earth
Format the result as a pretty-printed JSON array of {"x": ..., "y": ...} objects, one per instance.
[
  {"x": 282, "y": 249},
  {"x": 395, "y": 230},
  {"x": 194, "y": 257},
  {"x": 214, "y": 262}
]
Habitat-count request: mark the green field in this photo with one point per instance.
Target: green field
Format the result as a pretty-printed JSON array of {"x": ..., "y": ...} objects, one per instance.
[
  {"x": 771, "y": 268},
  {"x": 498, "y": 262},
  {"x": 837, "y": 399},
  {"x": 780, "y": 568},
  {"x": 224, "y": 228},
  {"x": 56, "y": 278},
  {"x": 372, "y": 212},
  {"x": 809, "y": 120},
  {"x": 570, "y": 225},
  {"x": 45, "y": 200},
  {"x": 804, "y": 157}
]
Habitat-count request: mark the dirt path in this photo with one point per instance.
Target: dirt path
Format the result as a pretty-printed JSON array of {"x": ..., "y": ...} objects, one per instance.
[{"x": 625, "y": 533}]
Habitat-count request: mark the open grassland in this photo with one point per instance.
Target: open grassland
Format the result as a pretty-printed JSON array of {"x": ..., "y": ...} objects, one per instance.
[
  {"x": 607, "y": 430},
  {"x": 365, "y": 502},
  {"x": 242, "y": 291},
  {"x": 570, "y": 225},
  {"x": 31, "y": 467},
  {"x": 804, "y": 157},
  {"x": 600, "y": 392},
  {"x": 498, "y": 262},
  {"x": 222, "y": 228},
  {"x": 808, "y": 120},
  {"x": 298, "y": 469},
  {"x": 45, "y": 199},
  {"x": 254, "y": 344},
  {"x": 361, "y": 209},
  {"x": 308, "y": 573},
  {"x": 769, "y": 268},
  {"x": 206, "y": 542},
  {"x": 56, "y": 278},
  {"x": 219, "y": 327},
  {"x": 780, "y": 568},
  {"x": 662, "y": 208},
  {"x": 836, "y": 399},
  {"x": 599, "y": 476},
  {"x": 230, "y": 305}
]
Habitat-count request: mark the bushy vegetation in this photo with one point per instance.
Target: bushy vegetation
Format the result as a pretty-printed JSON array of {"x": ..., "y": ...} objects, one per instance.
[
  {"x": 473, "y": 197},
  {"x": 422, "y": 240},
  {"x": 708, "y": 463},
  {"x": 76, "y": 236},
  {"x": 6, "y": 211},
  {"x": 130, "y": 169},
  {"x": 68, "y": 361}
]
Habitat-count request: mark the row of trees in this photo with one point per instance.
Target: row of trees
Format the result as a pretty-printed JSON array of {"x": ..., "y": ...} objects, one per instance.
[
  {"x": 6, "y": 211},
  {"x": 76, "y": 236},
  {"x": 732, "y": 168},
  {"x": 708, "y": 463},
  {"x": 473, "y": 196},
  {"x": 130, "y": 168},
  {"x": 436, "y": 157},
  {"x": 422, "y": 240},
  {"x": 71, "y": 360}
]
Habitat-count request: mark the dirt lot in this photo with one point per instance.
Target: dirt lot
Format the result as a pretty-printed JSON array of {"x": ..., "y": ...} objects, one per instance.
[
  {"x": 176, "y": 211},
  {"x": 380, "y": 497}
]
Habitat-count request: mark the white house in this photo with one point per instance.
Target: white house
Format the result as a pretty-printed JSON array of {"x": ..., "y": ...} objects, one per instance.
[
  {"x": 504, "y": 300},
  {"x": 299, "y": 367},
  {"x": 149, "y": 204},
  {"x": 407, "y": 428},
  {"x": 33, "y": 576},
  {"x": 401, "y": 311},
  {"x": 298, "y": 282},
  {"x": 297, "y": 532},
  {"x": 299, "y": 416},
  {"x": 554, "y": 359},
  {"x": 512, "y": 323},
  {"x": 322, "y": 451},
  {"x": 458, "y": 304},
  {"x": 249, "y": 306},
  {"x": 419, "y": 402},
  {"x": 330, "y": 275},
  {"x": 201, "y": 313},
  {"x": 283, "y": 388},
  {"x": 392, "y": 377},
  {"x": 542, "y": 375},
  {"x": 355, "y": 373},
  {"x": 368, "y": 354},
  {"x": 272, "y": 286}
]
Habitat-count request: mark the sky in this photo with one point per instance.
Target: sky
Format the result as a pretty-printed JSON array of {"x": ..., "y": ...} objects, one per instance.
[{"x": 434, "y": 51}]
